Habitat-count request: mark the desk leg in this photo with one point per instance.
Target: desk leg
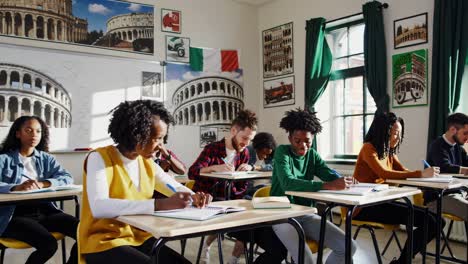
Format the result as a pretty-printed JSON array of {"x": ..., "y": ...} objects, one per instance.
[
  {"x": 409, "y": 230},
  {"x": 300, "y": 233},
  {"x": 438, "y": 225},
  {"x": 156, "y": 249},
  {"x": 251, "y": 246},
  {"x": 348, "y": 231},
  {"x": 424, "y": 249},
  {"x": 77, "y": 207},
  {"x": 228, "y": 191},
  {"x": 220, "y": 248},
  {"x": 323, "y": 224}
]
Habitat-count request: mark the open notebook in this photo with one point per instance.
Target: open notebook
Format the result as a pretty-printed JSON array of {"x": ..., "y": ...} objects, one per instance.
[
  {"x": 50, "y": 189},
  {"x": 359, "y": 189},
  {"x": 193, "y": 213}
]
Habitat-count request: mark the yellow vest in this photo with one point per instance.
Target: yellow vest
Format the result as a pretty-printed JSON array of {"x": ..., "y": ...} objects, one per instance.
[{"x": 96, "y": 235}]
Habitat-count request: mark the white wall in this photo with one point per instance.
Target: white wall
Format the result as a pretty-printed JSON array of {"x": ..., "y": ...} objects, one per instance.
[
  {"x": 221, "y": 24},
  {"x": 298, "y": 11}
]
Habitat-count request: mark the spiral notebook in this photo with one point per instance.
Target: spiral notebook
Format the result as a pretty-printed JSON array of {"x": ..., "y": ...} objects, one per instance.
[{"x": 199, "y": 214}]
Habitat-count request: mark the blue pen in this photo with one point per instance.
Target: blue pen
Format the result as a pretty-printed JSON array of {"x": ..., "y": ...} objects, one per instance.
[
  {"x": 174, "y": 190},
  {"x": 171, "y": 187},
  {"x": 224, "y": 160},
  {"x": 425, "y": 164}
]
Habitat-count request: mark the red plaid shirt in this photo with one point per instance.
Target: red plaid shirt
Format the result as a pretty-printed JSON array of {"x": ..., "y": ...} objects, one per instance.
[{"x": 211, "y": 155}]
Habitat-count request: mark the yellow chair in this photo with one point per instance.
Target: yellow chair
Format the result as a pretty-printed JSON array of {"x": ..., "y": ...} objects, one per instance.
[
  {"x": 264, "y": 192},
  {"x": 370, "y": 226},
  {"x": 189, "y": 184},
  {"x": 16, "y": 244}
]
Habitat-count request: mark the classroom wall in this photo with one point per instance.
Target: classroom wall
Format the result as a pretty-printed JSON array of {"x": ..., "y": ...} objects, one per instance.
[
  {"x": 298, "y": 11},
  {"x": 224, "y": 24}
]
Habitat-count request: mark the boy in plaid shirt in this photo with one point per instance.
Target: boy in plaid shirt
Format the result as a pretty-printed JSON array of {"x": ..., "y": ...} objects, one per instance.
[{"x": 233, "y": 150}]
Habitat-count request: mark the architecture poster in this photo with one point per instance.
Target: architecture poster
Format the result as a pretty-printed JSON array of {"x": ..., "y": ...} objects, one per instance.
[
  {"x": 118, "y": 25},
  {"x": 151, "y": 87},
  {"x": 410, "y": 31},
  {"x": 409, "y": 79},
  {"x": 277, "y": 46},
  {"x": 208, "y": 135}
]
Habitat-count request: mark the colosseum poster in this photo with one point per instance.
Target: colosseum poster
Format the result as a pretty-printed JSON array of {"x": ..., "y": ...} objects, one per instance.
[
  {"x": 108, "y": 24},
  {"x": 409, "y": 79},
  {"x": 410, "y": 31},
  {"x": 74, "y": 94},
  {"x": 200, "y": 102}
]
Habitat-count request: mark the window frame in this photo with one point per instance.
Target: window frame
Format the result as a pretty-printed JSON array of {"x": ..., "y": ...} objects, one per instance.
[{"x": 343, "y": 74}]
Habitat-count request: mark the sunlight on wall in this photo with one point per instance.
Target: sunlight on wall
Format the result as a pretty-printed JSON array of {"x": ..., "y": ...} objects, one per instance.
[{"x": 102, "y": 103}]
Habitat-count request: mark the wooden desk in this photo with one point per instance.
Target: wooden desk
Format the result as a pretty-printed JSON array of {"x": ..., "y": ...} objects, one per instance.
[
  {"x": 353, "y": 201},
  {"x": 439, "y": 188},
  {"x": 61, "y": 196},
  {"x": 232, "y": 178},
  {"x": 167, "y": 229}
]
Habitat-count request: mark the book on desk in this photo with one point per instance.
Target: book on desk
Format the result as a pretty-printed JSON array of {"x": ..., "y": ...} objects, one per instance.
[
  {"x": 359, "y": 189},
  {"x": 50, "y": 189},
  {"x": 199, "y": 214},
  {"x": 271, "y": 202}
]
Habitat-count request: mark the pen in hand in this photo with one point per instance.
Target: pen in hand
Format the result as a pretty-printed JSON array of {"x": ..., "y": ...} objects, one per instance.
[
  {"x": 426, "y": 164},
  {"x": 31, "y": 179},
  {"x": 175, "y": 191}
]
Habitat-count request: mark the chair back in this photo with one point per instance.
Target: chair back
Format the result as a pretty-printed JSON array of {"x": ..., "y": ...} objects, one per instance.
[
  {"x": 190, "y": 184},
  {"x": 263, "y": 192}
]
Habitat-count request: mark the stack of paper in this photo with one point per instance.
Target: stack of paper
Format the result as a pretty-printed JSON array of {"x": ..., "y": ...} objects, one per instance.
[{"x": 271, "y": 202}]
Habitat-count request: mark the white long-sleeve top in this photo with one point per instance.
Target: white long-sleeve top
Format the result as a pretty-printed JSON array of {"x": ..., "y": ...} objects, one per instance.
[{"x": 97, "y": 188}]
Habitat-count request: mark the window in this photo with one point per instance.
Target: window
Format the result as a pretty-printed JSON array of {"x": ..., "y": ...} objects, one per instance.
[{"x": 346, "y": 109}]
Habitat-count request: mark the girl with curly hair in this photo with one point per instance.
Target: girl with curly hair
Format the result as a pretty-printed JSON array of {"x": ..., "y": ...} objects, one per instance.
[{"x": 120, "y": 180}]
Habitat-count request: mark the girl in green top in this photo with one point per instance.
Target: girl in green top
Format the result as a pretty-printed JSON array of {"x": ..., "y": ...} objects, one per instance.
[{"x": 294, "y": 168}]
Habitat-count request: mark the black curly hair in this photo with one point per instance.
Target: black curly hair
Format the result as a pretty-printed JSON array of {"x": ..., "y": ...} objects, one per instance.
[
  {"x": 11, "y": 142},
  {"x": 379, "y": 134},
  {"x": 264, "y": 140},
  {"x": 301, "y": 120},
  {"x": 245, "y": 118},
  {"x": 131, "y": 122}
]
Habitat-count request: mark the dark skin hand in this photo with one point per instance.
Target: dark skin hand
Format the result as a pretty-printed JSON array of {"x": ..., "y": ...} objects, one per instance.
[
  {"x": 31, "y": 185},
  {"x": 181, "y": 200}
]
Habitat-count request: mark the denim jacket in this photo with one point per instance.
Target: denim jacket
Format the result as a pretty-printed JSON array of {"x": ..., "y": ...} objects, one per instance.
[{"x": 11, "y": 170}]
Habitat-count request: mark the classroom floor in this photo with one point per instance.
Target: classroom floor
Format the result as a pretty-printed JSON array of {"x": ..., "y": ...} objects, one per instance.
[{"x": 364, "y": 255}]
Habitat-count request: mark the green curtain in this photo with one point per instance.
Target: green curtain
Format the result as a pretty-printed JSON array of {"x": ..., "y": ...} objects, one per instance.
[
  {"x": 318, "y": 61},
  {"x": 375, "y": 57},
  {"x": 449, "y": 54}
]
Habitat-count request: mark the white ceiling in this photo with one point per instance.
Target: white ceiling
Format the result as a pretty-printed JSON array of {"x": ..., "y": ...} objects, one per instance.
[{"x": 254, "y": 2}]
